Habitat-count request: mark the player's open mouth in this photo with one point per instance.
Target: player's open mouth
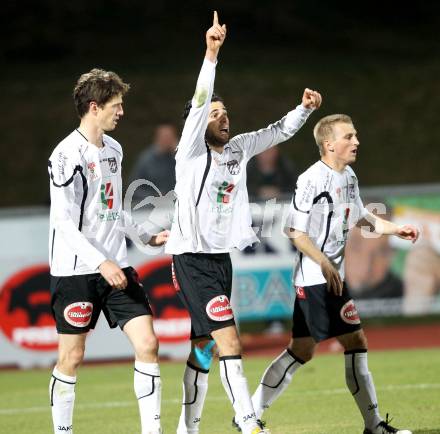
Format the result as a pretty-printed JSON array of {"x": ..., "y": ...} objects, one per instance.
[{"x": 224, "y": 130}]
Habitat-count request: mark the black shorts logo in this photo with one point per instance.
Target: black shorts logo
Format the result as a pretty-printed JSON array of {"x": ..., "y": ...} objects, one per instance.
[
  {"x": 79, "y": 314},
  {"x": 219, "y": 309},
  {"x": 349, "y": 313}
]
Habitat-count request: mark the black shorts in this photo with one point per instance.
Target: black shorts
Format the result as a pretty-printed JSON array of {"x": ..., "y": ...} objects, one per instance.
[
  {"x": 77, "y": 301},
  {"x": 203, "y": 282},
  {"x": 321, "y": 314}
]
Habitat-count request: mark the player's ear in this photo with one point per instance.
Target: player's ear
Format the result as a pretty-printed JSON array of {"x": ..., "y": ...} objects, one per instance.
[{"x": 327, "y": 146}]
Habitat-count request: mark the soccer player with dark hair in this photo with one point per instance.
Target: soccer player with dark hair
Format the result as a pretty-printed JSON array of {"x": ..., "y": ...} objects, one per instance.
[
  {"x": 326, "y": 203},
  {"x": 88, "y": 255},
  {"x": 212, "y": 217}
]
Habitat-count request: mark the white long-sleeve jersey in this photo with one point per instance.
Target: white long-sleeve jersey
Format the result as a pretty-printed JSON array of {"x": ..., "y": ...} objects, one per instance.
[
  {"x": 87, "y": 221},
  {"x": 212, "y": 212},
  {"x": 325, "y": 205}
]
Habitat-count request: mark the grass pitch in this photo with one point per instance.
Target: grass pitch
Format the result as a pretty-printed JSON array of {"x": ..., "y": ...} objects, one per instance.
[{"x": 317, "y": 401}]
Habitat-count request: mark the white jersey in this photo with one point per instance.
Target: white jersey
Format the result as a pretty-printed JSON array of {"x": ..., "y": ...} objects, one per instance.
[
  {"x": 325, "y": 205},
  {"x": 87, "y": 222},
  {"x": 212, "y": 212}
]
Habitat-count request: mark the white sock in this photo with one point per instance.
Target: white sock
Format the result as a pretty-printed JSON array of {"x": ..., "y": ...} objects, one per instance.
[
  {"x": 62, "y": 399},
  {"x": 195, "y": 387},
  {"x": 360, "y": 383},
  {"x": 148, "y": 390},
  {"x": 276, "y": 378},
  {"x": 235, "y": 384}
]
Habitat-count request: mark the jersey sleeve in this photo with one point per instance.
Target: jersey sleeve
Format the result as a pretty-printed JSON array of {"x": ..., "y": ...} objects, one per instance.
[
  {"x": 62, "y": 172},
  {"x": 302, "y": 202},
  {"x": 258, "y": 141},
  {"x": 192, "y": 141}
]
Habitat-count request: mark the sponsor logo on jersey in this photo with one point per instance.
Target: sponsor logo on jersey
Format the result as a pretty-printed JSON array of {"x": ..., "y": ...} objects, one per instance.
[
  {"x": 349, "y": 313},
  {"x": 224, "y": 192},
  {"x": 79, "y": 314},
  {"x": 219, "y": 308},
  {"x": 233, "y": 167},
  {"x": 300, "y": 293},
  {"x": 107, "y": 195},
  {"x": 113, "y": 165},
  {"x": 25, "y": 313}
]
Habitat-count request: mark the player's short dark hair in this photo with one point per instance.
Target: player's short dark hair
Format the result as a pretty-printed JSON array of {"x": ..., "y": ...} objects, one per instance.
[
  {"x": 188, "y": 105},
  {"x": 99, "y": 86}
]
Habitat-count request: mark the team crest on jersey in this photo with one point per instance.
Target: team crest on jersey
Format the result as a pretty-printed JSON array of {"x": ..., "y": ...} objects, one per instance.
[
  {"x": 219, "y": 309},
  {"x": 233, "y": 167},
  {"x": 351, "y": 191},
  {"x": 113, "y": 164},
  {"x": 349, "y": 313}
]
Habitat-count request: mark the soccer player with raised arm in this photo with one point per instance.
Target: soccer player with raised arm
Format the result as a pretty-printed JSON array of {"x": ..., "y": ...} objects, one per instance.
[
  {"x": 211, "y": 218},
  {"x": 325, "y": 205},
  {"x": 88, "y": 255}
]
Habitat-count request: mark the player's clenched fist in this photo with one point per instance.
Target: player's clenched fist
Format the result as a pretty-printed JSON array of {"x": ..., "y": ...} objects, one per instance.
[
  {"x": 216, "y": 35},
  {"x": 311, "y": 99}
]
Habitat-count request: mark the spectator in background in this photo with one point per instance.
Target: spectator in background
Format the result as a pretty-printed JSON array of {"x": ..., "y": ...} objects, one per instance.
[
  {"x": 157, "y": 164},
  {"x": 269, "y": 175},
  {"x": 368, "y": 267},
  {"x": 421, "y": 279}
]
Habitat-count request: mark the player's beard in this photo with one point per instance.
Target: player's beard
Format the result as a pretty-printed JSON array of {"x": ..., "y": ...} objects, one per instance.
[{"x": 216, "y": 139}]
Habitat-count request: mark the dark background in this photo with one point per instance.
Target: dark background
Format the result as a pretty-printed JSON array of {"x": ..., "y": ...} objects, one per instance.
[{"x": 377, "y": 61}]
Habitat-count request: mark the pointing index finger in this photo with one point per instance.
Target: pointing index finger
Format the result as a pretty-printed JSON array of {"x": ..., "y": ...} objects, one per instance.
[{"x": 215, "y": 22}]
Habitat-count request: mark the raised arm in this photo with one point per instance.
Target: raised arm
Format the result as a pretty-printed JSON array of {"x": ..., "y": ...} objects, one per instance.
[
  {"x": 192, "y": 142},
  {"x": 258, "y": 141}
]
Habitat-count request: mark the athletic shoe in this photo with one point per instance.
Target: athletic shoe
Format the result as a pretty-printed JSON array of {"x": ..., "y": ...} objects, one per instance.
[
  {"x": 385, "y": 428},
  {"x": 260, "y": 423}
]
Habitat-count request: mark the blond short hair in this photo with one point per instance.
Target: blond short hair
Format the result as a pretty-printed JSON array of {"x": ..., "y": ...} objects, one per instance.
[{"x": 324, "y": 128}]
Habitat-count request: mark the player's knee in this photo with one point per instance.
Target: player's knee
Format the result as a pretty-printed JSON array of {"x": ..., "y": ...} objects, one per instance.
[
  {"x": 148, "y": 346},
  {"x": 72, "y": 358},
  {"x": 302, "y": 353},
  {"x": 232, "y": 347},
  {"x": 355, "y": 341}
]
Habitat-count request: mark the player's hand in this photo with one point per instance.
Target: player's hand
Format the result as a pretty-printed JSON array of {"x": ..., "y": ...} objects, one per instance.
[
  {"x": 114, "y": 276},
  {"x": 159, "y": 239},
  {"x": 331, "y": 275},
  {"x": 311, "y": 99},
  {"x": 408, "y": 232},
  {"x": 215, "y": 36}
]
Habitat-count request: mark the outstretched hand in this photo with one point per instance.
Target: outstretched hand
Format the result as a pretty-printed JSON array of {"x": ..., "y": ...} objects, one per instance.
[
  {"x": 311, "y": 99},
  {"x": 215, "y": 36},
  {"x": 408, "y": 232}
]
